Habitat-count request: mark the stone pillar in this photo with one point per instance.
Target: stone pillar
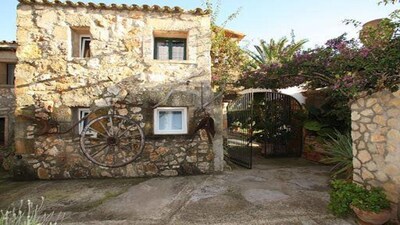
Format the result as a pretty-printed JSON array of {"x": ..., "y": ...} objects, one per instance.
[
  {"x": 218, "y": 139},
  {"x": 376, "y": 143}
]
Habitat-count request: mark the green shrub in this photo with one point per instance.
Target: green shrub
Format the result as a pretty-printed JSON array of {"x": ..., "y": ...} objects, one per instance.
[
  {"x": 345, "y": 193},
  {"x": 341, "y": 196}
]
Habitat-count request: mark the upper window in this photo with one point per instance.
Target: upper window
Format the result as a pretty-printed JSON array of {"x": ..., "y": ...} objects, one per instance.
[
  {"x": 7, "y": 73},
  {"x": 170, "y": 48},
  {"x": 170, "y": 120},
  {"x": 84, "y": 46},
  {"x": 80, "y": 42}
]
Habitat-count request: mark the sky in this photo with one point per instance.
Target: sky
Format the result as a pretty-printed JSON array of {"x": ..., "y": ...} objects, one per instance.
[{"x": 314, "y": 20}]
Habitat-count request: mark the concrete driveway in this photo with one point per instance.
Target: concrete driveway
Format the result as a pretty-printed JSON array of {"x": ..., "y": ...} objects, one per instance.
[{"x": 280, "y": 191}]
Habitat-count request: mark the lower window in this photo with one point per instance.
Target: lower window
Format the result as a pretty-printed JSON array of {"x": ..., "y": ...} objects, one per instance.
[{"x": 170, "y": 120}]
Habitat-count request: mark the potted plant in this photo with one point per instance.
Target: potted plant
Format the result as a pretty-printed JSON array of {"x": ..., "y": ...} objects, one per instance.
[{"x": 370, "y": 205}]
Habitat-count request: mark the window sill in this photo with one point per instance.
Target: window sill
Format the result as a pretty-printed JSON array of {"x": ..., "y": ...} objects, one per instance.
[
  {"x": 185, "y": 62},
  {"x": 169, "y": 134},
  {"x": 163, "y": 137},
  {"x": 78, "y": 59}
]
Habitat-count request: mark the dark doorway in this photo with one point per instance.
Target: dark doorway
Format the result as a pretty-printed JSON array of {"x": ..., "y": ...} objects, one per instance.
[{"x": 2, "y": 131}]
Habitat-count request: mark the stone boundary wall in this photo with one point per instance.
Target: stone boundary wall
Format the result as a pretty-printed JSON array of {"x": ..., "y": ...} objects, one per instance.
[
  {"x": 376, "y": 143},
  {"x": 51, "y": 82}
]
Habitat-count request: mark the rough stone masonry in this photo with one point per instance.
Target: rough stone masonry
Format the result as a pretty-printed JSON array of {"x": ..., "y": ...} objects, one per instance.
[
  {"x": 376, "y": 143},
  {"x": 52, "y": 81}
]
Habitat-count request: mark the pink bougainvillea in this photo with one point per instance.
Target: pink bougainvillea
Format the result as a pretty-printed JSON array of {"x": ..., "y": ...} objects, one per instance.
[{"x": 343, "y": 65}]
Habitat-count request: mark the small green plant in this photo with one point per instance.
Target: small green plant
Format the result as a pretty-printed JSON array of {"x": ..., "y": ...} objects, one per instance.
[
  {"x": 373, "y": 200},
  {"x": 338, "y": 152},
  {"x": 341, "y": 196},
  {"x": 29, "y": 214},
  {"x": 344, "y": 194}
]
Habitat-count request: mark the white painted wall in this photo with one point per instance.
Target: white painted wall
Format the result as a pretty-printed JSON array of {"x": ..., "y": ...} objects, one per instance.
[{"x": 295, "y": 92}]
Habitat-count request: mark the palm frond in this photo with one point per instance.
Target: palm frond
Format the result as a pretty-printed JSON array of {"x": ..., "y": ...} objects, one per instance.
[{"x": 272, "y": 52}]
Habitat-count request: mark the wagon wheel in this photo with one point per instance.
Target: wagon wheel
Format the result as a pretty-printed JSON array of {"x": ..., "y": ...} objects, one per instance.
[{"x": 112, "y": 140}]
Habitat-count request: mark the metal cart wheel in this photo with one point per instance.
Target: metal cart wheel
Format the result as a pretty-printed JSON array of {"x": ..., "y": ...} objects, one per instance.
[{"x": 112, "y": 140}]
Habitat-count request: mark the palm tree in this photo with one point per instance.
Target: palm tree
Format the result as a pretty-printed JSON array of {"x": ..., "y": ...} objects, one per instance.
[{"x": 274, "y": 52}]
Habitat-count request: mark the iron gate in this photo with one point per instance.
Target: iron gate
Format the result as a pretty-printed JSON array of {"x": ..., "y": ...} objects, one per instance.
[
  {"x": 267, "y": 121},
  {"x": 278, "y": 129},
  {"x": 239, "y": 141}
]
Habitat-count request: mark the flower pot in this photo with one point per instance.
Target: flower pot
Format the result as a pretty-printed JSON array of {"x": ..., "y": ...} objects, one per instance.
[
  {"x": 371, "y": 218},
  {"x": 312, "y": 156}
]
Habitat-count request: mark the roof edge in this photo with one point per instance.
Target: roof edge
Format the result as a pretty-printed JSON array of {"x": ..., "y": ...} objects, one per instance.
[
  {"x": 134, "y": 7},
  {"x": 8, "y": 42},
  {"x": 232, "y": 33}
]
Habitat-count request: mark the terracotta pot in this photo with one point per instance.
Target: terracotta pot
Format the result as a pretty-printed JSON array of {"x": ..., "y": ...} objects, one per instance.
[
  {"x": 312, "y": 156},
  {"x": 371, "y": 218}
]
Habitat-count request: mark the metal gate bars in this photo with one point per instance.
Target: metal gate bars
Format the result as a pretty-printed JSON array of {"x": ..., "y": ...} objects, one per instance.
[
  {"x": 266, "y": 121},
  {"x": 238, "y": 140}
]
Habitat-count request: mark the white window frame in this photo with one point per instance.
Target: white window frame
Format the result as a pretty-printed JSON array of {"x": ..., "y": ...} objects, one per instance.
[
  {"x": 81, "y": 50},
  {"x": 80, "y": 113},
  {"x": 184, "y": 129}
]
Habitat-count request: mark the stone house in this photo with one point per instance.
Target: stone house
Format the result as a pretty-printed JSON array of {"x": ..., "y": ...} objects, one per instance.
[
  {"x": 150, "y": 63},
  {"x": 7, "y": 97}
]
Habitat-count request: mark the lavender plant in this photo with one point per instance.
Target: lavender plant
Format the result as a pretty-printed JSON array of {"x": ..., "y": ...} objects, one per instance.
[{"x": 29, "y": 214}]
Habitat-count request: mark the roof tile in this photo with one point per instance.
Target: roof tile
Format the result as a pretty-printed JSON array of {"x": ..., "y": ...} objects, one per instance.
[
  {"x": 8, "y": 42},
  {"x": 147, "y": 8}
]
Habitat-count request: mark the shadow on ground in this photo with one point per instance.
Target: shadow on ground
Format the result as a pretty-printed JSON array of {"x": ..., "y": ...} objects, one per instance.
[{"x": 275, "y": 191}]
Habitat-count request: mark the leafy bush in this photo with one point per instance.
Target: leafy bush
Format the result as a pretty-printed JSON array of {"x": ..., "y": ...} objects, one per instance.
[
  {"x": 339, "y": 152},
  {"x": 345, "y": 193},
  {"x": 341, "y": 196},
  {"x": 374, "y": 200},
  {"x": 332, "y": 114},
  {"x": 29, "y": 214}
]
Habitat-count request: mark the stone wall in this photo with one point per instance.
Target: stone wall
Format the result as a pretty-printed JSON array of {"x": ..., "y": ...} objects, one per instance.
[
  {"x": 376, "y": 143},
  {"x": 51, "y": 83}
]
